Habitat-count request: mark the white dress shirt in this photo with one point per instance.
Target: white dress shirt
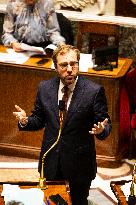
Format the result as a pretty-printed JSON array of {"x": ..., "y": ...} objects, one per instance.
[{"x": 71, "y": 89}]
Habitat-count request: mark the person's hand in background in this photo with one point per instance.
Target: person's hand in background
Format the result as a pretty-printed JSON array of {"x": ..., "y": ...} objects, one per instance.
[{"x": 16, "y": 47}]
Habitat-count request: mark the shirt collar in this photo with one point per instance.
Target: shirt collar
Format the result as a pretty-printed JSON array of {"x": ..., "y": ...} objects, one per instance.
[{"x": 71, "y": 87}]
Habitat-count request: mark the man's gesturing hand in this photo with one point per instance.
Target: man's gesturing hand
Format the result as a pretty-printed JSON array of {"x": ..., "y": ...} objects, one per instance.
[
  {"x": 20, "y": 115},
  {"x": 98, "y": 129}
]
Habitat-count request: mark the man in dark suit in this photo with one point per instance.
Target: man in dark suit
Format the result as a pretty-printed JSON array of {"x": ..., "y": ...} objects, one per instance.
[{"x": 74, "y": 156}]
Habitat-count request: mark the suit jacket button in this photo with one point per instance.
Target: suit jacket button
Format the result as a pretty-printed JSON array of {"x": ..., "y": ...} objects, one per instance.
[{"x": 57, "y": 150}]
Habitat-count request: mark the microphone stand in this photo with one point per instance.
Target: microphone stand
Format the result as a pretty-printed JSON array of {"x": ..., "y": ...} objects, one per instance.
[
  {"x": 132, "y": 197},
  {"x": 42, "y": 179}
]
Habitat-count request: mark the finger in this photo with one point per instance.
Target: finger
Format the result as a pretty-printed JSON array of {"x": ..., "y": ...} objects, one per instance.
[
  {"x": 19, "y": 109},
  {"x": 91, "y": 132},
  {"x": 24, "y": 120},
  {"x": 17, "y": 118},
  {"x": 94, "y": 130},
  {"x": 98, "y": 128},
  {"x": 95, "y": 126},
  {"x": 15, "y": 114},
  {"x": 100, "y": 125},
  {"x": 18, "y": 115},
  {"x": 20, "y": 118},
  {"x": 105, "y": 122}
]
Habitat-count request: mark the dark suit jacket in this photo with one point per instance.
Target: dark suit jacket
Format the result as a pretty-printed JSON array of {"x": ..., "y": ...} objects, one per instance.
[{"x": 76, "y": 148}]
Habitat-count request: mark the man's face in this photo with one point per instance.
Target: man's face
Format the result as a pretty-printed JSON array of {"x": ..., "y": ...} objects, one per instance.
[
  {"x": 30, "y": 2},
  {"x": 67, "y": 67}
]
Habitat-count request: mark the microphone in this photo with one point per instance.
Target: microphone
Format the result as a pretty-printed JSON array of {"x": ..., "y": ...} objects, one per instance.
[
  {"x": 42, "y": 179},
  {"x": 61, "y": 109},
  {"x": 61, "y": 105}
]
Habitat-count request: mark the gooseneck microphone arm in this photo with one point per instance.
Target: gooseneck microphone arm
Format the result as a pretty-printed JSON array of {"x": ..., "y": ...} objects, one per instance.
[{"x": 42, "y": 179}]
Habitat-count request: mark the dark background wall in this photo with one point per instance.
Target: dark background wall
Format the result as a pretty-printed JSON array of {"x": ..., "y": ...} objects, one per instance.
[
  {"x": 1, "y": 24},
  {"x": 125, "y": 8}
]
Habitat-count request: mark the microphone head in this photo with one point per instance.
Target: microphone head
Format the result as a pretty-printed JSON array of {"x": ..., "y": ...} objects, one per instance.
[{"x": 61, "y": 105}]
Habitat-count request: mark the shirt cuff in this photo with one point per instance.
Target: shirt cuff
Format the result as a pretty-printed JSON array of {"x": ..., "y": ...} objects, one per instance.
[{"x": 22, "y": 125}]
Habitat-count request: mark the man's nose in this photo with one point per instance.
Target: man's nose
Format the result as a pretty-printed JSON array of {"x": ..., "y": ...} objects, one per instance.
[{"x": 69, "y": 68}]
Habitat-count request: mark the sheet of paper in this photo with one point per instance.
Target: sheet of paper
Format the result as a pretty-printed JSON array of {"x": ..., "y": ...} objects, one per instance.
[
  {"x": 85, "y": 62},
  {"x": 32, "y": 196},
  {"x": 52, "y": 65},
  {"x": 20, "y": 54},
  {"x": 35, "y": 49},
  {"x": 51, "y": 46},
  {"x": 15, "y": 57}
]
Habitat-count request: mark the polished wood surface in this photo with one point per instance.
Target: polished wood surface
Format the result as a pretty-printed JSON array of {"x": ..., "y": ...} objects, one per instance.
[
  {"x": 52, "y": 189},
  {"x": 18, "y": 85}
]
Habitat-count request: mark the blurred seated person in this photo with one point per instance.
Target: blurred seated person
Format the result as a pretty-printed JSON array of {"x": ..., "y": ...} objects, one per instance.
[{"x": 33, "y": 22}]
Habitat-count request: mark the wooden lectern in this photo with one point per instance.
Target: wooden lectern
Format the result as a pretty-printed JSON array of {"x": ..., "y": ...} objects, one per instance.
[{"x": 54, "y": 187}]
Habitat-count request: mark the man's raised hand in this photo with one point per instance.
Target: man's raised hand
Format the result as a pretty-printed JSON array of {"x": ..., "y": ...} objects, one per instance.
[
  {"x": 98, "y": 129},
  {"x": 20, "y": 115}
]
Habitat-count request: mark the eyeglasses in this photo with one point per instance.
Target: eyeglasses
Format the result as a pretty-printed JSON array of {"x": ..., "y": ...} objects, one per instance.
[{"x": 65, "y": 65}]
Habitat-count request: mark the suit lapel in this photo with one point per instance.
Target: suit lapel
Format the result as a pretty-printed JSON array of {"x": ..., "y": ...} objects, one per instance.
[{"x": 53, "y": 89}]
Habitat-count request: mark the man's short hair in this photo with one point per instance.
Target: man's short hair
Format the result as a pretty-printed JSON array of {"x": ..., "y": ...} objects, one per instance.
[{"x": 61, "y": 50}]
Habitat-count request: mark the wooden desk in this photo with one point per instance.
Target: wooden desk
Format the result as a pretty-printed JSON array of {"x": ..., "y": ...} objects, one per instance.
[
  {"x": 18, "y": 85},
  {"x": 53, "y": 188}
]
